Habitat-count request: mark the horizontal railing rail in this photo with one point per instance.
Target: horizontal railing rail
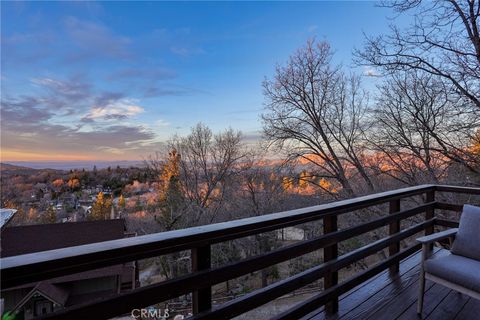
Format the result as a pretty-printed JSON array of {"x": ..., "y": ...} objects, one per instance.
[
  {"x": 26, "y": 268},
  {"x": 446, "y": 223},
  {"x": 449, "y": 206},
  {"x": 169, "y": 289},
  {"x": 20, "y": 270},
  {"x": 332, "y": 293},
  {"x": 457, "y": 189},
  {"x": 280, "y": 288}
]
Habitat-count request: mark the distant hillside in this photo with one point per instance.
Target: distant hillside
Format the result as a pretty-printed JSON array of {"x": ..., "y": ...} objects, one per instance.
[
  {"x": 8, "y": 168},
  {"x": 68, "y": 165},
  {"x": 11, "y": 167}
]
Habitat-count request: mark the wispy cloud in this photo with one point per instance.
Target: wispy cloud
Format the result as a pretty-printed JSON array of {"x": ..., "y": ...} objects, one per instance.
[
  {"x": 164, "y": 90},
  {"x": 108, "y": 97},
  {"x": 96, "y": 39},
  {"x": 26, "y": 127},
  {"x": 158, "y": 73},
  {"x": 118, "y": 110},
  {"x": 41, "y": 123},
  {"x": 23, "y": 111},
  {"x": 162, "y": 123},
  {"x": 73, "y": 89},
  {"x": 21, "y": 50}
]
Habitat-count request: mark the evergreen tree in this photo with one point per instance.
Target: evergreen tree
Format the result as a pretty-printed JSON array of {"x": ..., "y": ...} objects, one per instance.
[
  {"x": 121, "y": 202},
  {"x": 101, "y": 208},
  {"x": 171, "y": 198}
]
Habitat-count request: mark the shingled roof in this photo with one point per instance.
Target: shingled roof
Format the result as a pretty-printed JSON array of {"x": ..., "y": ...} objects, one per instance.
[
  {"x": 34, "y": 238},
  {"x": 42, "y": 237},
  {"x": 52, "y": 292}
]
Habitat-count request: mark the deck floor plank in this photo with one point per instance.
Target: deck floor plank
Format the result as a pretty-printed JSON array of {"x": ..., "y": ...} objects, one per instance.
[
  {"x": 359, "y": 294},
  {"x": 470, "y": 311},
  {"x": 395, "y": 297},
  {"x": 383, "y": 297},
  {"x": 433, "y": 297},
  {"x": 449, "y": 307}
]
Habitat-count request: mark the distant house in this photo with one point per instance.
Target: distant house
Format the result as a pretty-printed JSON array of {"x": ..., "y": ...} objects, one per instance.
[
  {"x": 35, "y": 299},
  {"x": 6, "y": 216}
]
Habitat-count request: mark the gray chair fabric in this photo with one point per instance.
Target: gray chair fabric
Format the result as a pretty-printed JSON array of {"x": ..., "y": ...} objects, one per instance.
[
  {"x": 460, "y": 270},
  {"x": 467, "y": 240}
]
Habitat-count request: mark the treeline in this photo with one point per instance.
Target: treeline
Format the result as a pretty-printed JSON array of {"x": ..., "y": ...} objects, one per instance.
[
  {"x": 420, "y": 125},
  {"x": 326, "y": 130},
  {"x": 413, "y": 129}
]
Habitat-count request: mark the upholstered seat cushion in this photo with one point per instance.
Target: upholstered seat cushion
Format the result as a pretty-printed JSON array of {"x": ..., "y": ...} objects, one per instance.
[
  {"x": 460, "y": 270},
  {"x": 467, "y": 240}
]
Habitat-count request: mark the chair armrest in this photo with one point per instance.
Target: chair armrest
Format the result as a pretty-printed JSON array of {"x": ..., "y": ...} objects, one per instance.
[{"x": 438, "y": 236}]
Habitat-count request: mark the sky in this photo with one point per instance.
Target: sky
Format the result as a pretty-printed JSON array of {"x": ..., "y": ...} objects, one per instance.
[{"x": 115, "y": 80}]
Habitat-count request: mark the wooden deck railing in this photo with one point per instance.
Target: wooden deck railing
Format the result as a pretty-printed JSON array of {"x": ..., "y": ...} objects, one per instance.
[{"x": 39, "y": 266}]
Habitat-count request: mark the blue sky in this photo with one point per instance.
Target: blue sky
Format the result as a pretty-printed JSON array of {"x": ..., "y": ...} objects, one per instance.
[{"x": 112, "y": 80}]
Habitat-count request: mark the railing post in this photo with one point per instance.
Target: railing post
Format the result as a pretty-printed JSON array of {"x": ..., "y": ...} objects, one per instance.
[
  {"x": 330, "y": 253},
  {"x": 430, "y": 212},
  {"x": 202, "y": 298},
  {"x": 394, "y": 227}
]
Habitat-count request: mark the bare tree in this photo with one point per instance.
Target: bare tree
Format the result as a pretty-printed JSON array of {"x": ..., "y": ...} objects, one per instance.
[
  {"x": 207, "y": 163},
  {"x": 261, "y": 185},
  {"x": 262, "y": 192},
  {"x": 419, "y": 130},
  {"x": 314, "y": 112},
  {"x": 192, "y": 178},
  {"x": 443, "y": 40}
]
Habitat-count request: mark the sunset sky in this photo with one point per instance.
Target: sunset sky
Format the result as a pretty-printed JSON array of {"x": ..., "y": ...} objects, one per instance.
[{"x": 112, "y": 80}]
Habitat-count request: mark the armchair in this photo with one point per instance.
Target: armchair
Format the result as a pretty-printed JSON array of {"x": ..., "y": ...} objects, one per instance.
[{"x": 460, "y": 268}]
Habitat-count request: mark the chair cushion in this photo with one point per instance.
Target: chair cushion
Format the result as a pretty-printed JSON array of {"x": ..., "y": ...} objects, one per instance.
[
  {"x": 462, "y": 271},
  {"x": 467, "y": 240}
]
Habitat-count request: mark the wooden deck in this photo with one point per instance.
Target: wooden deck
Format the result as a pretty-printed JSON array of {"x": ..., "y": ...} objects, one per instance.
[
  {"x": 395, "y": 297},
  {"x": 375, "y": 294}
]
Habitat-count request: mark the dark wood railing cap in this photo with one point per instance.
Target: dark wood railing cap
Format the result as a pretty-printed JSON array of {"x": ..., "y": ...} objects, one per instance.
[
  {"x": 189, "y": 238},
  {"x": 38, "y": 266}
]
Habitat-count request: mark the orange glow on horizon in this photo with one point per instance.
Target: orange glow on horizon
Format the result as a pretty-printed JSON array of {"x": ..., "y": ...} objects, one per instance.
[{"x": 12, "y": 155}]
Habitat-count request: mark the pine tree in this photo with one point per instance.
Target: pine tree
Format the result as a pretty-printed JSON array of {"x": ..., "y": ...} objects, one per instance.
[
  {"x": 101, "y": 208},
  {"x": 121, "y": 202},
  {"x": 170, "y": 194},
  {"x": 121, "y": 205}
]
